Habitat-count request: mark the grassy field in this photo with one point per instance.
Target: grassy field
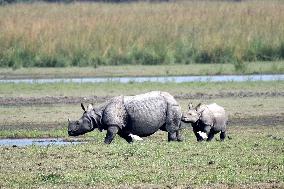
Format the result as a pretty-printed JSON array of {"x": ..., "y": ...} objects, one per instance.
[
  {"x": 92, "y": 34},
  {"x": 139, "y": 70},
  {"x": 132, "y": 88},
  {"x": 252, "y": 158}
]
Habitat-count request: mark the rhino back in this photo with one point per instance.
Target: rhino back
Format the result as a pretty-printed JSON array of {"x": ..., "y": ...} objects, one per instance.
[
  {"x": 220, "y": 116},
  {"x": 146, "y": 113}
]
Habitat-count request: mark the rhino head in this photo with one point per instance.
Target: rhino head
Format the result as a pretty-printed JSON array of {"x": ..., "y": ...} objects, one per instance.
[
  {"x": 88, "y": 122},
  {"x": 193, "y": 114}
]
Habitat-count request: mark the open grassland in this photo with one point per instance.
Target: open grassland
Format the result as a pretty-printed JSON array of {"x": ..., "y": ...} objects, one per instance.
[
  {"x": 253, "y": 158},
  {"x": 25, "y": 106},
  {"x": 143, "y": 70},
  {"x": 91, "y": 34}
]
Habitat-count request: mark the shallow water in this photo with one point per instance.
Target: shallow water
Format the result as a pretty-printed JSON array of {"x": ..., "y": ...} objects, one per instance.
[
  {"x": 162, "y": 79},
  {"x": 39, "y": 142}
]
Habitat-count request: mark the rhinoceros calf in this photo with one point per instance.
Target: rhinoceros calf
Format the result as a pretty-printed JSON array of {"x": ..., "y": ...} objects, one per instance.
[
  {"x": 140, "y": 115},
  {"x": 207, "y": 120}
]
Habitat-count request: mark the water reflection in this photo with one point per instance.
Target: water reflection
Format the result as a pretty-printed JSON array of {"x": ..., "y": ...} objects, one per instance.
[{"x": 162, "y": 79}]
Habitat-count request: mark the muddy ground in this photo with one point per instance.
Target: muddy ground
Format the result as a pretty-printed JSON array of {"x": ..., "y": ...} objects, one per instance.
[{"x": 22, "y": 101}]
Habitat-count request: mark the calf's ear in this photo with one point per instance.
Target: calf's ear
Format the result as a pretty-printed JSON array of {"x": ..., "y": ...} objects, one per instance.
[
  {"x": 190, "y": 106},
  {"x": 90, "y": 107},
  {"x": 198, "y": 105},
  {"x": 82, "y": 106}
]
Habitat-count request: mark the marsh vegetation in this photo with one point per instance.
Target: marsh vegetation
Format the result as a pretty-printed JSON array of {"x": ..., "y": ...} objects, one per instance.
[{"x": 183, "y": 32}]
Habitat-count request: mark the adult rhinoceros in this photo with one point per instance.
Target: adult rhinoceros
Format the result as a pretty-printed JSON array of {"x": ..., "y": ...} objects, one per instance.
[
  {"x": 140, "y": 115},
  {"x": 207, "y": 120}
]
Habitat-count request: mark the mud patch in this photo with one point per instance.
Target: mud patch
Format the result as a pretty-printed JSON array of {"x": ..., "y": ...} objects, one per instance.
[
  {"x": 261, "y": 121},
  {"x": 26, "y": 101}
]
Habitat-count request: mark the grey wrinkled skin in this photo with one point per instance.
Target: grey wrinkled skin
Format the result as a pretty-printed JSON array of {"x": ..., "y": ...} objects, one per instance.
[
  {"x": 140, "y": 115},
  {"x": 210, "y": 119}
]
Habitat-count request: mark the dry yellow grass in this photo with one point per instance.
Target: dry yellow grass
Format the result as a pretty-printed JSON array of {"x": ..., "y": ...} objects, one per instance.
[{"x": 189, "y": 31}]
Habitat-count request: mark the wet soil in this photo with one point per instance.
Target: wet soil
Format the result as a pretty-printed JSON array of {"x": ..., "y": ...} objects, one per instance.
[{"x": 22, "y": 101}]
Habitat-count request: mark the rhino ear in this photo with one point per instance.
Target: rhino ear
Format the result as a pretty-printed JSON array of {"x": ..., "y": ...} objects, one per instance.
[
  {"x": 190, "y": 106},
  {"x": 198, "y": 106},
  {"x": 82, "y": 106}
]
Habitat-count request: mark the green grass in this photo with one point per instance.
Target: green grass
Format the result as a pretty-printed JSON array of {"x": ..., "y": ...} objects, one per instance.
[
  {"x": 254, "y": 157},
  {"x": 132, "y": 88},
  {"x": 139, "y": 70},
  {"x": 94, "y": 34}
]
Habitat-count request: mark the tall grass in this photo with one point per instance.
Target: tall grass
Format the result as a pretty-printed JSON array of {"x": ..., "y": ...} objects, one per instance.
[{"x": 91, "y": 34}]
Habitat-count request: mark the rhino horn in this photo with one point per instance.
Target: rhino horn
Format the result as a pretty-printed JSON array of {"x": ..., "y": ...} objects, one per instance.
[{"x": 82, "y": 106}]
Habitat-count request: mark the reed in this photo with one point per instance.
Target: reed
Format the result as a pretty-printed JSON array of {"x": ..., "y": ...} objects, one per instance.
[{"x": 92, "y": 34}]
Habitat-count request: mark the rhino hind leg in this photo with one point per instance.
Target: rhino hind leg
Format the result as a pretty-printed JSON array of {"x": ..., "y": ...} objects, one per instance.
[
  {"x": 179, "y": 136},
  {"x": 111, "y": 132},
  {"x": 172, "y": 136},
  {"x": 222, "y": 135},
  {"x": 175, "y": 136},
  {"x": 126, "y": 136},
  {"x": 173, "y": 123}
]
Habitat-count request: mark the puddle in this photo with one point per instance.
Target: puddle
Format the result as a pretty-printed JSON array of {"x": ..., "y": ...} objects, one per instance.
[
  {"x": 162, "y": 79},
  {"x": 36, "y": 141}
]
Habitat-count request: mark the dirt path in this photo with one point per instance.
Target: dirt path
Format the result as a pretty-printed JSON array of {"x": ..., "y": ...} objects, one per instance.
[{"x": 22, "y": 101}]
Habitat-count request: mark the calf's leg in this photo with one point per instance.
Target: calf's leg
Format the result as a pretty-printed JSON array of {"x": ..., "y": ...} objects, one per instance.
[{"x": 210, "y": 133}]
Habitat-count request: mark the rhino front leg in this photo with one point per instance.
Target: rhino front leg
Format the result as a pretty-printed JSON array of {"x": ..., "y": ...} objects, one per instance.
[{"x": 111, "y": 132}]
